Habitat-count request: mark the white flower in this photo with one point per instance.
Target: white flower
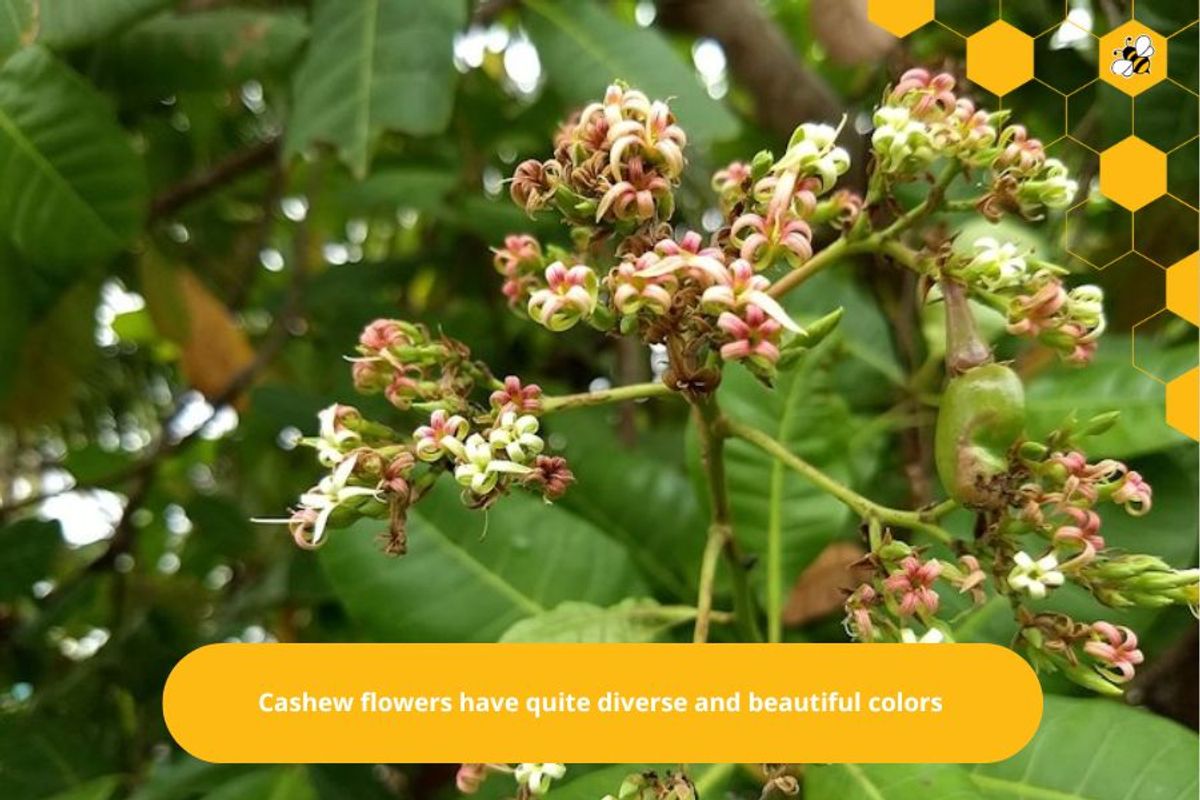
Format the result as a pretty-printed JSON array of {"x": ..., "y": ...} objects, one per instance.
[
  {"x": 325, "y": 498},
  {"x": 902, "y": 143},
  {"x": 931, "y": 636},
  {"x": 1053, "y": 188},
  {"x": 335, "y": 438},
  {"x": 1086, "y": 304},
  {"x": 517, "y": 437},
  {"x": 480, "y": 471},
  {"x": 1035, "y": 577},
  {"x": 811, "y": 151},
  {"x": 998, "y": 265},
  {"x": 538, "y": 776}
]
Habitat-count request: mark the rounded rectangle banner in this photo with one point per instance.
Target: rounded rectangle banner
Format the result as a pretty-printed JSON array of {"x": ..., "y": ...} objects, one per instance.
[{"x": 483, "y": 703}]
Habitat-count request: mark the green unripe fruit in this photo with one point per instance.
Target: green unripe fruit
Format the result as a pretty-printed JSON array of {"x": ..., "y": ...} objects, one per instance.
[{"x": 982, "y": 415}]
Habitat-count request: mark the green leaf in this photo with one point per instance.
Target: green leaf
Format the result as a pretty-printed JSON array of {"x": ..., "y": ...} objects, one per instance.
[
  {"x": 769, "y": 499},
  {"x": 18, "y": 26},
  {"x": 1112, "y": 383},
  {"x": 632, "y": 620},
  {"x": 184, "y": 778},
  {"x": 29, "y": 547},
  {"x": 202, "y": 51},
  {"x": 889, "y": 782},
  {"x": 1096, "y": 750},
  {"x": 64, "y": 24},
  {"x": 1084, "y": 750},
  {"x": 72, "y": 189},
  {"x": 42, "y": 753},
  {"x": 585, "y": 48},
  {"x": 98, "y": 789},
  {"x": 275, "y": 783},
  {"x": 374, "y": 66},
  {"x": 646, "y": 504},
  {"x": 468, "y": 575}
]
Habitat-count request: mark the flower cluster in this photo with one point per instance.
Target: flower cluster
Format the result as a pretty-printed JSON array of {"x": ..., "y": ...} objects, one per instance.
[
  {"x": 378, "y": 473},
  {"x": 922, "y": 120},
  {"x": 612, "y": 179},
  {"x": 1046, "y": 533},
  {"x": 901, "y": 595},
  {"x": 652, "y": 786},
  {"x": 533, "y": 780},
  {"x": 616, "y": 162},
  {"x": 772, "y": 204},
  {"x": 410, "y": 366},
  {"x": 1032, "y": 296},
  {"x": 486, "y": 461}
]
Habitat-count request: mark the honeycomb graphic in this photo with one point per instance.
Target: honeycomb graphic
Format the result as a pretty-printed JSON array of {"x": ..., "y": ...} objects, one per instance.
[{"x": 1134, "y": 169}]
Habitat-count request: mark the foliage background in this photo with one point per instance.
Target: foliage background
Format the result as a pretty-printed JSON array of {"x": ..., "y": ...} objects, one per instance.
[{"x": 201, "y": 204}]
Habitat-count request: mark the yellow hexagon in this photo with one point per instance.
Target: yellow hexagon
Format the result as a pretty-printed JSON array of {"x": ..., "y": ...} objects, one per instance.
[
  {"x": 900, "y": 17},
  {"x": 1133, "y": 173},
  {"x": 1183, "y": 288},
  {"x": 1000, "y": 58},
  {"x": 1126, "y": 65},
  {"x": 1183, "y": 403}
]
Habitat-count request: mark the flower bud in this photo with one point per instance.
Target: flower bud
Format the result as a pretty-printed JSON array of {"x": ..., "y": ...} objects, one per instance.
[{"x": 570, "y": 295}]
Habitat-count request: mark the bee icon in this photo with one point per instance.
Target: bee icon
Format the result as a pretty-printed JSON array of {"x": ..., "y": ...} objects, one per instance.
[{"x": 1134, "y": 57}]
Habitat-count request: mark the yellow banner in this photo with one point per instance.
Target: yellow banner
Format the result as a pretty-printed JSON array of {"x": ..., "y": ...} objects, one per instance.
[{"x": 482, "y": 703}]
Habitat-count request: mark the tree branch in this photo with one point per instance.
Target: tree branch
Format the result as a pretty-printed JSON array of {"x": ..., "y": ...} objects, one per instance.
[
  {"x": 923, "y": 520},
  {"x": 223, "y": 172},
  {"x": 720, "y": 531},
  {"x": 617, "y": 394},
  {"x": 762, "y": 58}
]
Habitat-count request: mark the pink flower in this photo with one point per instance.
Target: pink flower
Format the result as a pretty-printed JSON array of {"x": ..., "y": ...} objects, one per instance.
[
  {"x": 858, "y": 623},
  {"x": 302, "y": 526},
  {"x": 914, "y": 583},
  {"x": 1115, "y": 646},
  {"x": 847, "y": 206},
  {"x": 656, "y": 137},
  {"x": 972, "y": 580},
  {"x": 929, "y": 92},
  {"x": 1020, "y": 152},
  {"x": 370, "y": 374},
  {"x": 402, "y": 389},
  {"x": 396, "y": 474},
  {"x": 530, "y": 188},
  {"x": 569, "y": 296},
  {"x": 739, "y": 287},
  {"x": 444, "y": 434},
  {"x": 518, "y": 398},
  {"x": 636, "y": 195},
  {"x": 383, "y": 333},
  {"x": 634, "y": 288},
  {"x": 1134, "y": 493},
  {"x": 771, "y": 234},
  {"x": 1085, "y": 532},
  {"x": 687, "y": 258},
  {"x": 520, "y": 250},
  {"x": 754, "y": 336},
  {"x": 730, "y": 183},
  {"x": 1032, "y": 314},
  {"x": 470, "y": 777}
]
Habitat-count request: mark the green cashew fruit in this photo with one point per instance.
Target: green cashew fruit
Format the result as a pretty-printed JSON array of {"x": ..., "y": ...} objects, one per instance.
[{"x": 982, "y": 415}]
